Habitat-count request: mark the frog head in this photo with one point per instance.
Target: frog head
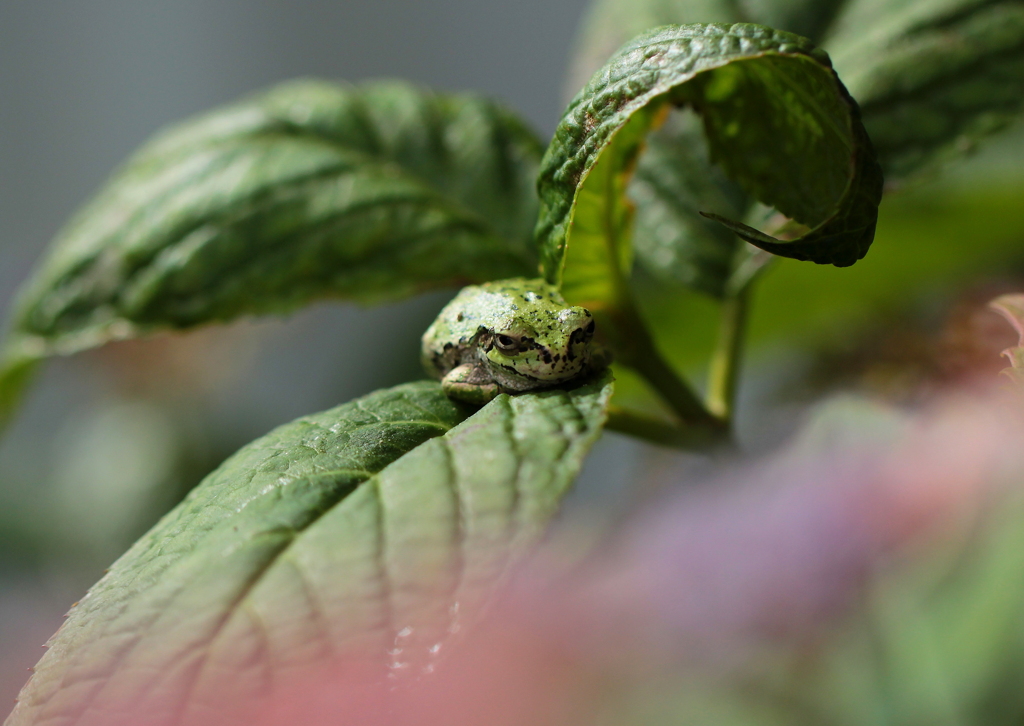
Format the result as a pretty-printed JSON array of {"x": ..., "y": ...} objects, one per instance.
[
  {"x": 535, "y": 339},
  {"x": 512, "y": 336}
]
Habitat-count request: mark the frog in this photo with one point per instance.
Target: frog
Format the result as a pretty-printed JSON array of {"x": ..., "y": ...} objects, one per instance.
[{"x": 510, "y": 336}]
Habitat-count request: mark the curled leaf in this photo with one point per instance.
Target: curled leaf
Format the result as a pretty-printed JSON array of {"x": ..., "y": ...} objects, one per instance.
[
  {"x": 610, "y": 23},
  {"x": 777, "y": 120}
]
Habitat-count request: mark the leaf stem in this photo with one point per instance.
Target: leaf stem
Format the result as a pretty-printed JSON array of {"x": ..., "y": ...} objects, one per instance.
[
  {"x": 723, "y": 375},
  {"x": 633, "y": 341},
  {"x": 641, "y": 354},
  {"x": 689, "y": 438}
]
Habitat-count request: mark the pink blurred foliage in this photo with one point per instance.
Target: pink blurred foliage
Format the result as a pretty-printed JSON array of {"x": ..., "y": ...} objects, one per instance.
[
  {"x": 768, "y": 555},
  {"x": 775, "y": 551}
]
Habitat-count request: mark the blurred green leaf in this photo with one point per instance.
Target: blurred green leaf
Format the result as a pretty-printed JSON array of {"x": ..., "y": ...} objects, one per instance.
[
  {"x": 777, "y": 120},
  {"x": 931, "y": 241},
  {"x": 15, "y": 373},
  {"x": 932, "y": 77},
  {"x": 340, "y": 532},
  {"x": 309, "y": 190},
  {"x": 938, "y": 638}
]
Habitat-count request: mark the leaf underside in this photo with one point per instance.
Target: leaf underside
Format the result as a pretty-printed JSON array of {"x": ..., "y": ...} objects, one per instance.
[
  {"x": 674, "y": 181},
  {"x": 342, "y": 534},
  {"x": 933, "y": 78}
]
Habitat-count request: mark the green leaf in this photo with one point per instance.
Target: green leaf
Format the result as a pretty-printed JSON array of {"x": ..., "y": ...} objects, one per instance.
[
  {"x": 318, "y": 540},
  {"x": 778, "y": 121},
  {"x": 920, "y": 256},
  {"x": 939, "y": 638},
  {"x": 610, "y": 23},
  {"x": 674, "y": 180},
  {"x": 932, "y": 77},
  {"x": 309, "y": 190}
]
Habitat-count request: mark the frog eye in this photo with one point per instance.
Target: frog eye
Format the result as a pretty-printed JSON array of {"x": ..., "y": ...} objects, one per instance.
[{"x": 505, "y": 343}]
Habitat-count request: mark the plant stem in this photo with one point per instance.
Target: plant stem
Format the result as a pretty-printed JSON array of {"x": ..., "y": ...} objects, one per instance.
[
  {"x": 632, "y": 340},
  {"x": 723, "y": 375},
  {"x": 641, "y": 354},
  {"x": 690, "y": 438}
]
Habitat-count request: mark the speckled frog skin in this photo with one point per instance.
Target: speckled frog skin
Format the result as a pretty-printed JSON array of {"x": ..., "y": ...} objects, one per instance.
[{"x": 509, "y": 336}]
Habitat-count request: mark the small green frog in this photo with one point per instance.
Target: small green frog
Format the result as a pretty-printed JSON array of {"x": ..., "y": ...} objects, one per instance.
[{"x": 509, "y": 336}]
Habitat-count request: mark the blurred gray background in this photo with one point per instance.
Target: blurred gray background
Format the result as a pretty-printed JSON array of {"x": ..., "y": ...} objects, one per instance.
[{"x": 109, "y": 440}]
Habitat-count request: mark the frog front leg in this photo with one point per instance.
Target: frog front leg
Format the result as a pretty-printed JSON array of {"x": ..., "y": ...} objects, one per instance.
[{"x": 466, "y": 384}]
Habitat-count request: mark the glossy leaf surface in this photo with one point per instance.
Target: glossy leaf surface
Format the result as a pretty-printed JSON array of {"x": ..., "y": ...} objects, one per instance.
[{"x": 310, "y": 190}]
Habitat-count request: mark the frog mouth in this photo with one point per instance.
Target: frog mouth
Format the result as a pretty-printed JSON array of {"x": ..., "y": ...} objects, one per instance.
[{"x": 579, "y": 342}]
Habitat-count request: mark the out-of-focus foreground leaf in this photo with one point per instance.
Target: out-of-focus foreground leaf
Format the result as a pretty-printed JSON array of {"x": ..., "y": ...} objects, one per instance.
[
  {"x": 369, "y": 193},
  {"x": 940, "y": 638},
  {"x": 777, "y": 119},
  {"x": 900, "y": 540},
  {"x": 323, "y": 539}
]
